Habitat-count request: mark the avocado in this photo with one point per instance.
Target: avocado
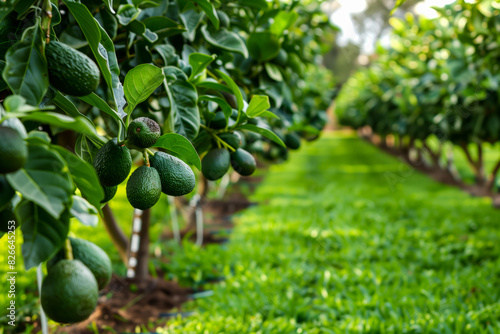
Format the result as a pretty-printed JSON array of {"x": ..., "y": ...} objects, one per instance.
[
  {"x": 71, "y": 71},
  {"x": 69, "y": 292},
  {"x": 176, "y": 177},
  {"x": 292, "y": 141},
  {"x": 232, "y": 139},
  {"x": 92, "y": 256},
  {"x": 144, "y": 188},
  {"x": 219, "y": 121},
  {"x": 112, "y": 163},
  {"x": 143, "y": 132},
  {"x": 252, "y": 137},
  {"x": 215, "y": 164},
  {"x": 13, "y": 150},
  {"x": 243, "y": 162},
  {"x": 109, "y": 193}
]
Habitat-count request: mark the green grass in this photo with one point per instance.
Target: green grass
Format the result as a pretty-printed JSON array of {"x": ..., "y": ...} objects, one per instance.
[{"x": 338, "y": 246}]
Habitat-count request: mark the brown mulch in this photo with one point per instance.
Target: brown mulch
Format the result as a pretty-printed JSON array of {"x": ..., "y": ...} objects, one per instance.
[{"x": 126, "y": 304}]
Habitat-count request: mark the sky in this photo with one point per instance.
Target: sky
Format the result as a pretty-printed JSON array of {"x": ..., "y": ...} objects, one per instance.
[{"x": 342, "y": 18}]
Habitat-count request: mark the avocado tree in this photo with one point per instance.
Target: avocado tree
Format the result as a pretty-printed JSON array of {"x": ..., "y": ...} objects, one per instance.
[
  {"x": 92, "y": 91},
  {"x": 437, "y": 83}
]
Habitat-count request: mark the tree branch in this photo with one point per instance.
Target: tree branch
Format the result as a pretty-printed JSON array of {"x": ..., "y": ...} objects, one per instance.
[{"x": 117, "y": 235}]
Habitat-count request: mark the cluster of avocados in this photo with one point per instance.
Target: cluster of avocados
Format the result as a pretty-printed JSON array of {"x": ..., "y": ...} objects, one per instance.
[
  {"x": 165, "y": 173},
  {"x": 217, "y": 161},
  {"x": 71, "y": 288}
]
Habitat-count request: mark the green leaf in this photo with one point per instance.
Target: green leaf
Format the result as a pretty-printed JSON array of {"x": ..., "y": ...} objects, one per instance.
[
  {"x": 84, "y": 212},
  {"x": 184, "y": 116},
  {"x": 226, "y": 108},
  {"x": 226, "y": 40},
  {"x": 268, "y": 114},
  {"x": 17, "y": 103},
  {"x": 139, "y": 28},
  {"x": 78, "y": 124},
  {"x": 234, "y": 87},
  {"x": 209, "y": 9},
  {"x": 191, "y": 20},
  {"x": 179, "y": 146},
  {"x": 84, "y": 176},
  {"x": 103, "y": 49},
  {"x": 264, "y": 132},
  {"x": 85, "y": 148},
  {"x": 163, "y": 27},
  {"x": 26, "y": 71},
  {"x": 258, "y": 105},
  {"x": 127, "y": 13},
  {"x": 94, "y": 100},
  {"x": 140, "y": 83},
  {"x": 274, "y": 72},
  {"x": 67, "y": 106},
  {"x": 283, "y": 21},
  {"x": 199, "y": 63},
  {"x": 44, "y": 179},
  {"x": 263, "y": 46},
  {"x": 43, "y": 235},
  {"x": 213, "y": 85}
]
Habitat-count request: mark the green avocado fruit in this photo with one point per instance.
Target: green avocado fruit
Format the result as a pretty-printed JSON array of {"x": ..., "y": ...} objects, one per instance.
[
  {"x": 92, "y": 256},
  {"x": 292, "y": 141},
  {"x": 13, "y": 150},
  {"x": 144, "y": 188},
  {"x": 219, "y": 121},
  {"x": 112, "y": 163},
  {"x": 243, "y": 162},
  {"x": 71, "y": 71},
  {"x": 232, "y": 139},
  {"x": 143, "y": 132},
  {"x": 215, "y": 164},
  {"x": 69, "y": 292},
  {"x": 109, "y": 193},
  {"x": 177, "y": 179}
]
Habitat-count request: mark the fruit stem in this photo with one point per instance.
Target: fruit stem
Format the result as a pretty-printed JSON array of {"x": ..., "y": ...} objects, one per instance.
[
  {"x": 47, "y": 9},
  {"x": 223, "y": 143},
  {"x": 150, "y": 152},
  {"x": 68, "y": 250},
  {"x": 146, "y": 157}
]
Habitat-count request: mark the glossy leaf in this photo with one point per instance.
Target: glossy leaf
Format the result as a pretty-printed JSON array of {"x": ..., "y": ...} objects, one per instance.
[
  {"x": 258, "y": 105},
  {"x": 226, "y": 108},
  {"x": 25, "y": 71},
  {"x": 44, "y": 179},
  {"x": 43, "y": 235},
  {"x": 140, "y": 83},
  {"x": 184, "y": 116},
  {"x": 264, "y": 132},
  {"x": 209, "y": 9},
  {"x": 274, "y": 72},
  {"x": 84, "y": 212},
  {"x": 199, "y": 63},
  {"x": 283, "y": 21},
  {"x": 84, "y": 176},
  {"x": 226, "y": 40},
  {"x": 234, "y": 88},
  {"x": 179, "y": 146}
]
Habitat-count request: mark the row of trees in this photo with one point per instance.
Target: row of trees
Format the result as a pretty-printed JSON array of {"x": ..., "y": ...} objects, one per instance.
[{"x": 438, "y": 80}]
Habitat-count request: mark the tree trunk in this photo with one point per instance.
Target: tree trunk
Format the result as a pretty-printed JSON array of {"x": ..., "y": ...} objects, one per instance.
[
  {"x": 142, "y": 269},
  {"x": 117, "y": 235}
]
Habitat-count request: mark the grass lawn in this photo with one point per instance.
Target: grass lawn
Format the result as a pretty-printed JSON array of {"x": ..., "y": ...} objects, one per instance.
[{"x": 337, "y": 246}]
